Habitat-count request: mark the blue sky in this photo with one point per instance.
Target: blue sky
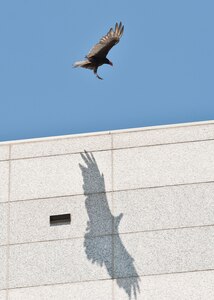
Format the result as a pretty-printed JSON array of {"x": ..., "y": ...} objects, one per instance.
[{"x": 163, "y": 66}]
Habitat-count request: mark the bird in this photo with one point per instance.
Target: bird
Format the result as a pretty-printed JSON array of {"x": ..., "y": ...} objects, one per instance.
[{"x": 97, "y": 55}]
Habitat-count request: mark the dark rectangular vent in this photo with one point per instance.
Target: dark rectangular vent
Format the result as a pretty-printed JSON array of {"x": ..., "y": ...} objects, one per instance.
[{"x": 60, "y": 219}]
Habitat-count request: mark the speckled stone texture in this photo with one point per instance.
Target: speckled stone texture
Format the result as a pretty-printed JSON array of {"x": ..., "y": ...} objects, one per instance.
[
  {"x": 3, "y": 223},
  {"x": 4, "y": 180},
  {"x": 91, "y": 290},
  {"x": 3, "y": 295},
  {"x": 142, "y": 208},
  {"x": 55, "y": 176},
  {"x": 166, "y": 251},
  {"x": 29, "y": 220},
  {"x": 61, "y": 145},
  {"x": 165, "y": 207},
  {"x": 4, "y": 152},
  {"x": 182, "y": 286},
  {"x": 3, "y": 268},
  {"x": 163, "y": 165},
  {"x": 163, "y": 135},
  {"x": 60, "y": 261}
]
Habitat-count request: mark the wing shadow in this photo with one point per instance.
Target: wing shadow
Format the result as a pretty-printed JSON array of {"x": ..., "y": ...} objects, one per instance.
[{"x": 99, "y": 241}]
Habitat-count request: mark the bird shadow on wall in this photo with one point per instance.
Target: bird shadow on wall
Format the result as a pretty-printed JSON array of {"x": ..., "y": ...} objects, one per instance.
[{"x": 101, "y": 247}]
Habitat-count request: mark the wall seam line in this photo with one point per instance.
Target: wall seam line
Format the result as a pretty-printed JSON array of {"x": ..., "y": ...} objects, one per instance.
[
  {"x": 116, "y": 191},
  {"x": 116, "y": 149},
  {"x": 110, "y": 234},
  {"x": 8, "y": 226},
  {"x": 112, "y": 209},
  {"x": 107, "y": 279}
]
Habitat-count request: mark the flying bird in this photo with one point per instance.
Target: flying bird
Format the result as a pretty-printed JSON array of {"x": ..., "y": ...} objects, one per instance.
[{"x": 97, "y": 55}]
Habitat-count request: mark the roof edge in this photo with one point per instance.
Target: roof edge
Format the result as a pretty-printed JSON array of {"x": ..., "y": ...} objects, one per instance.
[{"x": 117, "y": 131}]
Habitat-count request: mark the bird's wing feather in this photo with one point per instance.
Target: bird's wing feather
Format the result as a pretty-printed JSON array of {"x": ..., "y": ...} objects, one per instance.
[{"x": 105, "y": 44}]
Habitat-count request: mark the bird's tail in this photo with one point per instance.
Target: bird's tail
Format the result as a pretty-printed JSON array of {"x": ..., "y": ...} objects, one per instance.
[{"x": 83, "y": 64}]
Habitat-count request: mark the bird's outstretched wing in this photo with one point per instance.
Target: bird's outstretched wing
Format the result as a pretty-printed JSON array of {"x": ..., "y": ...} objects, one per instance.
[{"x": 105, "y": 44}]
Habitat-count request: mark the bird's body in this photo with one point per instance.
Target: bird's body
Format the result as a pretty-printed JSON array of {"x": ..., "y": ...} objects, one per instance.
[{"x": 97, "y": 55}]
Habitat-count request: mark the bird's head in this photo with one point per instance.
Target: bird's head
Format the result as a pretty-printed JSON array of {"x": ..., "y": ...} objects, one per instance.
[{"x": 108, "y": 62}]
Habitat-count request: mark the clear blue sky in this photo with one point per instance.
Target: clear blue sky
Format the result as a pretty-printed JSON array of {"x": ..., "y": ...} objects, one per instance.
[{"x": 163, "y": 67}]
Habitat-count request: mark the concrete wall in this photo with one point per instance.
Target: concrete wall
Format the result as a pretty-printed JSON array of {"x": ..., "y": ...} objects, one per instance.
[{"x": 142, "y": 215}]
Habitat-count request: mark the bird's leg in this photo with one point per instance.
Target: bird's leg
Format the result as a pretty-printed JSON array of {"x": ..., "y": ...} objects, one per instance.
[
  {"x": 99, "y": 77},
  {"x": 95, "y": 72}
]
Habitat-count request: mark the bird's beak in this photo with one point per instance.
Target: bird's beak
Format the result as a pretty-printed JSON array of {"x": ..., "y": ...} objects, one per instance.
[{"x": 111, "y": 64}]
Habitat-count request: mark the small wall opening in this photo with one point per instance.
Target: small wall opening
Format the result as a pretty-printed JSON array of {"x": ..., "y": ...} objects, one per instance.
[{"x": 64, "y": 219}]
